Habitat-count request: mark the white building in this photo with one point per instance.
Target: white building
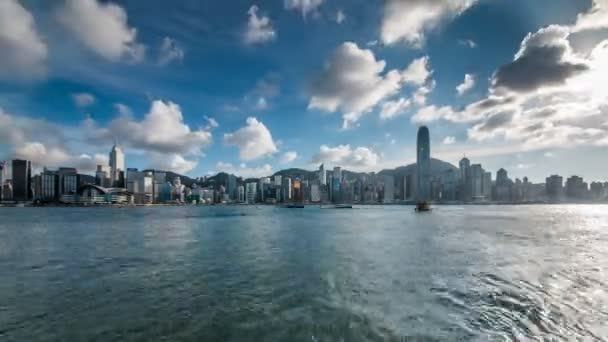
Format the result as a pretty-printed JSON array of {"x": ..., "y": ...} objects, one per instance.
[
  {"x": 140, "y": 184},
  {"x": 241, "y": 194},
  {"x": 315, "y": 193},
  {"x": 389, "y": 189}
]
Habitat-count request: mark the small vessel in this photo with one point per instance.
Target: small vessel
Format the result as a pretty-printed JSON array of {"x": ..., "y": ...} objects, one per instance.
[
  {"x": 423, "y": 206},
  {"x": 343, "y": 206},
  {"x": 294, "y": 206}
]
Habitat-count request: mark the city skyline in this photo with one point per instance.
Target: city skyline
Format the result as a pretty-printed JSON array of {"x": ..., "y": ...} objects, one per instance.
[{"x": 208, "y": 88}]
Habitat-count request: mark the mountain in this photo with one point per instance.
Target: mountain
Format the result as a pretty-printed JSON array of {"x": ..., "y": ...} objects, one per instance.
[
  {"x": 438, "y": 167},
  {"x": 296, "y": 173}
]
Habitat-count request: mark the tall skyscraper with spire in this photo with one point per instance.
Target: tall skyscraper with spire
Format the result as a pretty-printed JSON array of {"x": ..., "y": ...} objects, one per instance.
[
  {"x": 117, "y": 166},
  {"x": 423, "y": 164}
]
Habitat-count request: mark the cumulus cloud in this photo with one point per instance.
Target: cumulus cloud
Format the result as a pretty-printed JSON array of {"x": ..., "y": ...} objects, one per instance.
[
  {"x": 409, "y": 21},
  {"x": 23, "y": 51},
  {"x": 449, "y": 140},
  {"x": 170, "y": 51},
  {"x": 545, "y": 58},
  {"x": 102, "y": 28},
  {"x": 162, "y": 130},
  {"x": 83, "y": 99},
  {"x": 392, "y": 109},
  {"x": 546, "y": 98},
  {"x": 259, "y": 28},
  {"x": 173, "y": 162},
  {"x": 211, "y": 123},
  {"x": 253, "y": 141},
  {"x": 244, "y": 171},
  {"x": 595, "y": 18},
  {"x": 288, "y": 157},
  {"x": 304, "y": 6},
  {"x": 466, "y": 85},
  {"x": 360, "y": 158},
  {"x": 354, "y": 82}
]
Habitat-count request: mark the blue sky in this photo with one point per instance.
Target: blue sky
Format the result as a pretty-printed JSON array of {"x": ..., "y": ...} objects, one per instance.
[{"x": 252, "y": 87}]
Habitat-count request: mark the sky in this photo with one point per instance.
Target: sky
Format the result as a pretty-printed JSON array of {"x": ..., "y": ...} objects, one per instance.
[{"x": 253, "y": 87}]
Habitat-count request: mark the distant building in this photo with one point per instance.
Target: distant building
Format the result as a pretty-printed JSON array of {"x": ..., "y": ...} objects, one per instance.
[
  {"x": 286, "y": 189},
  {"x": 251, "y": 192},
  {"x": 503, "y": 186},
  {"x": 389, "y": 189},
  {"x": 231, "y": 187},
  {"x": 449, "y": 180},
  {"x": 576, "y": 188},
  {"x": 241, "y": 194},
  {"x": 465, "y": 184},
  {"x": 423, "y": 164},
  {"x": 117, "y": 167},
  {"x": 315, "y": 192},
  {"x": 554, "y": 188},
  {"x": 477, "y": 175},
  {"x": 102, "y": 176},
  {"x": 322, "y": 175},
  {"x": 22, "y": 180}
]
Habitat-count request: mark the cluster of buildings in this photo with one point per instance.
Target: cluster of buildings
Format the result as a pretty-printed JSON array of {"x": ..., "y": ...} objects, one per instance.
[{"x": 113, "y": 183}]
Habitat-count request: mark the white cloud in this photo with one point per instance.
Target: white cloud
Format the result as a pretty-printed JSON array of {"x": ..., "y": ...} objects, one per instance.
[
  {"x": 102, "y": 28},
  {"x": 83, "y": 99},
  {"x": 259, "y": 29},
  {"x": 354, "y": 82},
  {"x": 466, "y": 85},
  {"x": 409, "y": 21},
  {"x": 288, "y": 157},
  {"x": 392, "y": 109},
  {"x": 595, "y": 18},
  {"x": 449, "y": 140},
  {"x": 360, "y": 158},
  {"x": 23, "y": 51},
  {"x": 468, "y": 43},
  {"x": 173, "y": 162},
  {"x": 123, "y": 109},
  {"x": 170, "y": 51},
  {"x": 340, "y": 17},
  {"x": 244, "y": 171},
  {"x": 253, "y": 141},
  {"x": 162, "y": 130},
  {"x": 211, "y": 124},
  {"x": 419, "y": 96},
  {"x": 304, "y": 6},
  {"x": 261, "y": 104}
]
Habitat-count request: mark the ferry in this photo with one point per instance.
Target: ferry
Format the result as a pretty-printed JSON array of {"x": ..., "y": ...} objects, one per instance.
[
  {"x": 343, "y": 206},
  {"x": 294, "y": 206},
  {"x": 423, "y": 206}
]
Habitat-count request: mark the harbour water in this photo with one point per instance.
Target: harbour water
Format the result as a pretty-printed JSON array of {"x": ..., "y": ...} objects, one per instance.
[{"x": 487, "y": 273}]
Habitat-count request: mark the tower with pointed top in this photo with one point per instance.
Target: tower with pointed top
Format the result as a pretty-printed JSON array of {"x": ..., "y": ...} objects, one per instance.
[
  {"x": 117, "y": 166},
  {"x": 423, "y": 164}
]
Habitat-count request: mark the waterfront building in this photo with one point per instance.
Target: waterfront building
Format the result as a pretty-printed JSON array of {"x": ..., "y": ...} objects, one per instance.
[
  {"x": 159, "y": 187},
  {"x": 449, "y": 180},
  {"x": 251, "y": 192},
  {"x": 388, "y": 189},
  {"x": 598, "y": 191},
  {"x": 179, "y": 190},
  {"x": 465, "y": 184},
  {"x": 102, "y": 176},
  {"x": 22, "y": 180},
  {"x": 554, "y": 188},
  {"x": 2, "y": 170},
  {"x": 315, "y": 192},
  {"x": 486, "y": 186},
  {"x": 117, "y": 167},
  {"x": 423, "y": 164},
  {"x": 503, "y": 186},
  {"x": 48, "y": 189},
  {"x": 241, "y": 194},
  {"x": 287, "y": 189},
  {"x": 322, "y": 175},
  {"x": 231, "y": 188},
  {"x": 576, "y": 188},
  {"x": 477, "y": 174}
]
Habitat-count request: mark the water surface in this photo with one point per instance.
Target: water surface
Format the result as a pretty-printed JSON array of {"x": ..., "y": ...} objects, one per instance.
[{"x": 271, "y": 274}]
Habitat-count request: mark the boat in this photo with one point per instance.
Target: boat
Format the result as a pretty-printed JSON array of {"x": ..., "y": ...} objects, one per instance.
[
  {"x": 423, "y": 206},
  {"x": 343, "y": 206},
  {"x": 294, "y": 206}
]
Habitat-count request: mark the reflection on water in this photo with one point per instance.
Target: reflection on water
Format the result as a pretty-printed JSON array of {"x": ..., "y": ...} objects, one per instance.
[{"x": 253, "y": 274}]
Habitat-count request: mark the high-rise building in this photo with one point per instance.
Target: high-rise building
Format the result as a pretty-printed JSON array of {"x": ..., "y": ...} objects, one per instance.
[
  {"x": 322, "y": 175},
  {"x": 241, "y": 194},
  {"x": 477, "y": 173},
  {"x": 251, "y": 192},
  {"x": 554, "y": 188},
  {"x": 423, "y": 164},
  {"x": 102, "y": 176},
  {"x": 2, "y": 167},
  {"x": 287, "y": 189},
  {"x": 117, "y": 167},
  {"x": 503, "y": 186},
  {"x": 449, "y": 180},
  {"x": 231, "y": 187},
  {"x": 141, "y": 184},
  {"x": 389, "y": 189},
  {"x": 486, "y": 186},
  {"x": 464, "y": 185},
  {"x": 22, "y": 180},
  {"x": 576, "y": 188}
]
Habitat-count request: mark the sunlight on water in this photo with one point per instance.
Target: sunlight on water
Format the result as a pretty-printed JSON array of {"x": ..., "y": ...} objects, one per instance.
[{"x": 246, "y": 273}]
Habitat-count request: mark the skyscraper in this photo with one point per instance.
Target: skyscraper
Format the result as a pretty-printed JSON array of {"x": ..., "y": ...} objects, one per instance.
[
  {"x": 117, "y": 166},
  {"x": 322, "y": 175},
  {"x": 22, "y": 180},
  {"x": 423, "y": 164}
]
